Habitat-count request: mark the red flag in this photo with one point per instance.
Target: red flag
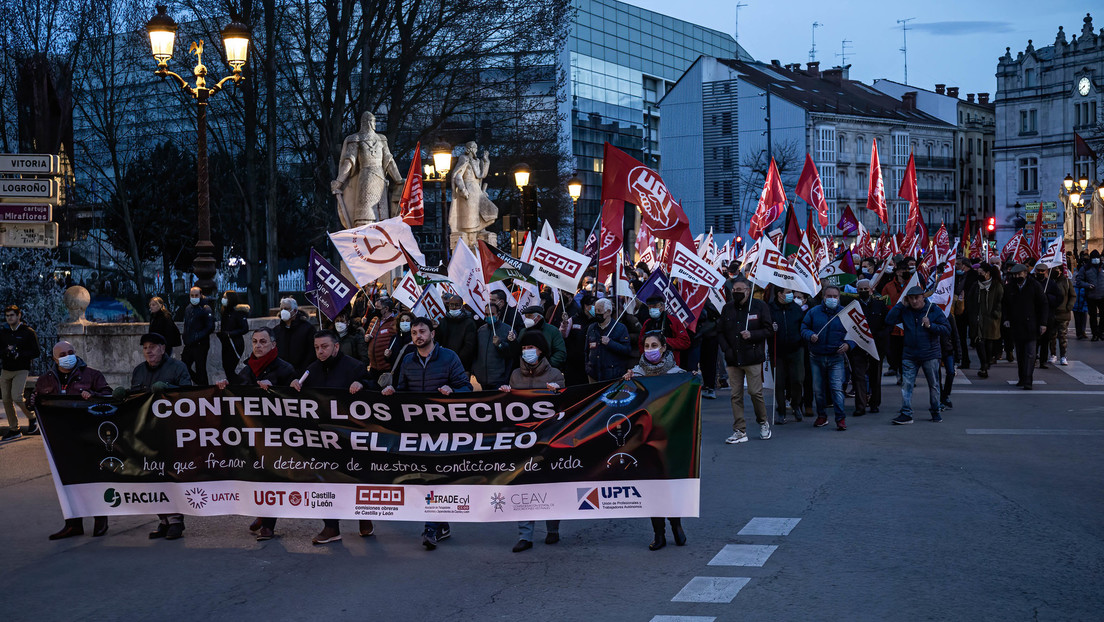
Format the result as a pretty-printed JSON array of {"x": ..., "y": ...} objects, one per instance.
[
  {"x": 771, "y": 202},
  {"x": 979, "y": 243},
  {"x": 925, "y": 239},
  {"x": 908, "y": 192},
  {"x": 811, "y": 190},
  {"x": 792, "y": 240},
  {"x": 643, "y": 239},
  {"x": 814, "y": 242},
  {"x": 1082, "y": 148},
  {"x": 412, "y": 203},
  {"x": 875, "y": 193},
  {"x": 626, "y": 179},
  {"x": 611, "y": 237},
  {"x": 1037, "y": 232},
  {"x": 942, "y": 241}
]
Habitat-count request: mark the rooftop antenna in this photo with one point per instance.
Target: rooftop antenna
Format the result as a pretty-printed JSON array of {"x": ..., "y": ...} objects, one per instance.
[
  {"x": 812, "y": 50},
  {"x": 738, "y": 5},
  {"x": 845, "y": 47},
  {"x": 904, "y": 41}
]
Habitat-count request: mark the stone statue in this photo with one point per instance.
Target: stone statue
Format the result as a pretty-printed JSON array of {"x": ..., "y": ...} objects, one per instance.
[
  {"x": 472, "y": 211},
  {"x": 362, "y": 171}
]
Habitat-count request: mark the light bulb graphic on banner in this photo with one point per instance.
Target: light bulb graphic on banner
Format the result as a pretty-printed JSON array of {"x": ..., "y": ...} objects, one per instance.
[
  {"x": 618, "y": 426},
  {"x": 108, "y": 433}
]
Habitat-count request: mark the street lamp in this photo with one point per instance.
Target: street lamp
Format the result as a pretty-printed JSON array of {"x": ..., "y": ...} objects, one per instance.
[
  {"x": 1078, "y": 198},
  {"x": 235, "y": 39},
  {"x": 575, "y": 189},
  {"x": 521, "y": 180},
  {"x": 442, "y": 164}
]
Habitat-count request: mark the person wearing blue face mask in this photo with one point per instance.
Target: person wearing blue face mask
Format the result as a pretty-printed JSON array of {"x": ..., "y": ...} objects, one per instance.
[
  {"x": 786, "y": 353},
  {"x": 828, "y": 347}
]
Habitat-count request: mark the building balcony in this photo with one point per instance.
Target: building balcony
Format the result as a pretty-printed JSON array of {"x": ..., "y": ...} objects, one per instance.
[
  {"x": 935, "y": 162},
  {"x": 937, "y": 195},
  {"x": 844, "y": 158}
]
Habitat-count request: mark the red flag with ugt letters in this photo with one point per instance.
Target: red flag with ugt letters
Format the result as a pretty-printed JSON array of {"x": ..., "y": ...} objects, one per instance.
[
  {"x": 811, "y": 190},
  {"x": 625, "y": 178},
  {"x": 412, "y": 203},
  {"x": 771, "y": 202},
  {"x": 875, "y": 193}
]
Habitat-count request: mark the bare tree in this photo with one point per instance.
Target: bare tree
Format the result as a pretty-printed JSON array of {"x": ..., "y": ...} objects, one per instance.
[{"x": 789, "y": 157}]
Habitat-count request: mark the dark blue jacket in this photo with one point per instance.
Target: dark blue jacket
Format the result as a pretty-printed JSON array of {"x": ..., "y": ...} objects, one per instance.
[
  {"x": 337, "y": 372},
  {"x": 199, "y": 322},
  {"x": 921, "y": 344},
  {"x": 831, "y": 338},
  {"x": 787, "y": 321},
  {"x": 441, "y": 368},
  {"x": 607, "y": 361}
]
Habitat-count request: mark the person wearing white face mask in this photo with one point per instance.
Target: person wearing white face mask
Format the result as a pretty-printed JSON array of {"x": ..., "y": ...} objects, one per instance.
[
  {"x": 1091, "y": 277},
  {"x": 231, "y": 334},
  {"x": 294, "y": 336},
  {"x": 456, "y": 331},
  {"x": 71, "y": 376},
  {"x": 351, "y": 337},
  {"x": 828, "y": 346},
  {"x": 199, "y": 323},
  {"x": 533, "y": 317},
  {"x": 534, "y": 372},
  {"x": 786, "y": 354}
]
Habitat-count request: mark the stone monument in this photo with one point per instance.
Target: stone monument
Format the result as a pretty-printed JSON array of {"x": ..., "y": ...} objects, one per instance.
[
  {"x": 361, "y": 185},
  {"x": 472, "y": 210}
]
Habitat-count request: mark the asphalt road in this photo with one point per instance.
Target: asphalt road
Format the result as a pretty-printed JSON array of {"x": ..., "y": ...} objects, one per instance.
[{"x": 994, "y": 514}]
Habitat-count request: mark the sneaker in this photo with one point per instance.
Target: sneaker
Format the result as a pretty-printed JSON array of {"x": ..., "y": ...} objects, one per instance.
[
  {"x": 366, "y": 528},
  {"x": 709, "y": 394},
  {"x": 264, "y": 533},
  {"x": 737, "y": 437},
  {"x": 936, "y": 418},
  {"x": 11, "y": 435},
  {"x": 1053, "y": 359},
  {"x": 820, "y": 422},
  {"x": 947, "y": 405},
  {"x": 443, "y": 531},
  {"x": 1063, "y": 361},
  {"x": 429, "y": 539},
  {"x": 841, "y": 425},
  {"x": 175, "y": 531},
  {"x": 326, "y": 536},
  {"x": 902, "y": 419},
  {"x": 33, "y": 428},
  {"x": 764, "y": 431}
]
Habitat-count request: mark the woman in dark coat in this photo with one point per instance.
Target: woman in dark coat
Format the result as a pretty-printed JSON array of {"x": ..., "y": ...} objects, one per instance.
[{"x": 161, "y": 322}]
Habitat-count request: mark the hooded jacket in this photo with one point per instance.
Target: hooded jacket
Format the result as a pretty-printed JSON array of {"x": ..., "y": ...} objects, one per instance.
[
  {"x": 80, "y": 379},
  {"x": 831, "y": 337},
  {"x": 1091, "y": 278},
  {"x": 18, "y": 348}
]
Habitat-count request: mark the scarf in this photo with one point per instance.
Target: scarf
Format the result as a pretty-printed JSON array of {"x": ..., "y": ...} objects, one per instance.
[
  {"x": 985, "y": 284},
  {"x": 258, "y": 364},
  {"x": 664, "y": 365}
]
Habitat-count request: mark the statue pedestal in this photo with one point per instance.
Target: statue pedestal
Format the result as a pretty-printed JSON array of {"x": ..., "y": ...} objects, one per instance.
[{"x": 471, "y": 238}]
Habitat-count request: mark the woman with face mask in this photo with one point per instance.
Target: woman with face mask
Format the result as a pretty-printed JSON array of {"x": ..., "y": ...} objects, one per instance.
[
  {"x": 161, "y": 322},
  {"x": 351, "y": 338},
  {"x": 655, "y": 361},
  {"x": 399, "y": 342},
  {"x": 231, "y": 334},
  {"x": 534, "y": 371}
]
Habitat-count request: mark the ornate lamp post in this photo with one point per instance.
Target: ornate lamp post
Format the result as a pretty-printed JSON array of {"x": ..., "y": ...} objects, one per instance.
[
  {"x": 438, "y": 171},
  {"x": 521, "y": 180},
  {"x": 235, "y": 39},
  {"x": 575, "y": 189},
  {"x": 1079, "y": 197}
]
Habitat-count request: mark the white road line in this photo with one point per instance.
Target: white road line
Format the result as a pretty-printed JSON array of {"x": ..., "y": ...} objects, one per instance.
[
  {"x": 1010, "y": 392},
  {"x": 998, "y": 432},
  {"x": 683, "y": 619},
  {"x": 760, "y": 526},
  {"x": 960, "y": 377},
  {"x": 711, "y": 590},
  {"x": 1033, "y": 381},
  {"x": 743, "y": 555},
  {"x": 1082, "y": 373}
]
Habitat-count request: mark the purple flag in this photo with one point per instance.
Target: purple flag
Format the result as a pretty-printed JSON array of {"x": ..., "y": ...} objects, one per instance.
[
  {"x": 659, "y": 284},
  {"x": 326, "y": 287},
  {"x": 848, "y": 224}
]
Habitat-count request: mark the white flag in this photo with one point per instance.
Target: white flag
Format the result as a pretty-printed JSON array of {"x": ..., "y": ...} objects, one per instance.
[
  {"x": 804, "y": 264},
  {"x": 557, "y": 266},
  {"x": 547, "y": 232},
  {"x": 409, "y": 293},
  {"x": 1055, "y": 254},
  {"x": 854, "y": 321},
  {"x": 688, "y": 266},
  {"x": 372, "y": 250},
  {"x": 466, "y": 272},
  {"x": 768, "y": 267},
  {"x": 943, "y": 295}
]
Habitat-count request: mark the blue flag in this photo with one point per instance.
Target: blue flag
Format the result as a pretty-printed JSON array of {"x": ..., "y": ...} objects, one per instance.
[{"x": 326, "y": 287}]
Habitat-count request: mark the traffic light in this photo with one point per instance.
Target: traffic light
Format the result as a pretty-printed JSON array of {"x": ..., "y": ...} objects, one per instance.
[
  {"x": 739, "y": 243},
  {"x": 991, "y": 228}
]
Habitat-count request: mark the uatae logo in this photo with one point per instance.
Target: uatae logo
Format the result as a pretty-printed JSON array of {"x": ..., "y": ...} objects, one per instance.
[
  {"x": 609, "y": 497},
  {"x": 197, "y": 498}
]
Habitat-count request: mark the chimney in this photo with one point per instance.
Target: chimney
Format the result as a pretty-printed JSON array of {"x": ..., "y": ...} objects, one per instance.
[
  {"x": 835, "y": 75},
  {"x": 794, "y": 67},
  {"x": 983, "y": 98},
  {"x": 814, "y": 69},
  {"x": 776, "y": 62},
  {"x": 952, "y": 91},
  {"x": 941, "y": 89},
  {"x": 970, "y": 97},
  {"x": 909, "y": 100}
]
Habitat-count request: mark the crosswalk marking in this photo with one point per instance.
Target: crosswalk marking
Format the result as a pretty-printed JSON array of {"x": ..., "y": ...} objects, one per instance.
[
  {"x": 1083, "y": 373},
  {"x": 711, "y": 590},
  {"x": 683, "y": 618},
  {"x": 1029, "y": 432},
  {"x": 761, "y": 526},
  {"x": 743, "y": 555},
  {"x": 1033, "y": 381}
]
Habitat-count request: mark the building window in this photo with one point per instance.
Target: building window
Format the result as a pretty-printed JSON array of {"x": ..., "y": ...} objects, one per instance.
[
  {"x": 928, "y": 149},
  {"x": 1029, "y": 78},
  {"x": 1029, "y": 121},
  {"x": 860, "y": 148},
  {"x": 828, "y": 180},
  {"x": 825, "y": 144},
  {"x": 900, "y": 148},
  {"x": 1029, "y": 174}
]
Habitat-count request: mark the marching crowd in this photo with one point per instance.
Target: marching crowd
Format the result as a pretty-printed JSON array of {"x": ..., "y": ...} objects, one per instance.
[{"x": 1017, "y": 312}]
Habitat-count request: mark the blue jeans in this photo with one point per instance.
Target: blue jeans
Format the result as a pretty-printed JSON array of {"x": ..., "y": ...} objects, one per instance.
[
  {"x": 526, "y": 528},
  {"x": 828, "y": 367},
  {"x": 909, "y": 368}
]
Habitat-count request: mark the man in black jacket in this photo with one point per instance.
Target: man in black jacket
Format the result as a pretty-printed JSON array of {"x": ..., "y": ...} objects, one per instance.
[
  {"x": 787, "y": 353},
  {"x": 199, "y": 323},
  {"x": 457, "y": 331},
  {"x": 18, "y": 349},
  {"x": 295, "y": 336},
  {"x": 744, "y": 328},
  {"x": 1025, "y": 317},
  {"x": 866, "y": 371},
  {"x": 333, "y": 370}
]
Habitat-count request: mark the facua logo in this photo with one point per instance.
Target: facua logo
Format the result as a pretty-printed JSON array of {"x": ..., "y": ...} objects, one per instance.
[
  {"x": 114, "y": 497},
  {"x": 380, "y": 495},
  {"x": 197, "y": 498}
]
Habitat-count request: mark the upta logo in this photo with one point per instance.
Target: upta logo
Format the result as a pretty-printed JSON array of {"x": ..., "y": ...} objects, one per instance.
[
  {"x": 112, "y": 497},
  {"x": 591, "y": 498}
]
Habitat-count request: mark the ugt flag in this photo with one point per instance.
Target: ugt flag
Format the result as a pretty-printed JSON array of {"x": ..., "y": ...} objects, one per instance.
[{"x": 326, "y": 287}]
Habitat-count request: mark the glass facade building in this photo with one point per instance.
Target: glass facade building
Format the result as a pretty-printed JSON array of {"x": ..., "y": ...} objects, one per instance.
[{"x": 622, "y": 61}]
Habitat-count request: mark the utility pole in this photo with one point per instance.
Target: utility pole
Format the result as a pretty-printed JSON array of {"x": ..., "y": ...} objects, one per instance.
[
  {"x": 736, "y": 35},
  {"x": 845, "y": 46},
  {"x": 904, "y": 41},
  {"x": 812, "y": 50}
]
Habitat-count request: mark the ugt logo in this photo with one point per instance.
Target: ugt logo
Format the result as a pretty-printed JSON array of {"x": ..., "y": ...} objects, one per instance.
[{"x": 653, "y": 197}]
